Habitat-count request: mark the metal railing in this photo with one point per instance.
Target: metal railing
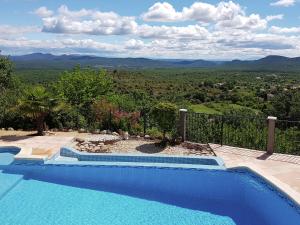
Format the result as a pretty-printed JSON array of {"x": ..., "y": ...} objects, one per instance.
[
  {"x": 245, "y": 132},
  {"x": 204, "y": 128},
  {"x": 287, "y": 137}
]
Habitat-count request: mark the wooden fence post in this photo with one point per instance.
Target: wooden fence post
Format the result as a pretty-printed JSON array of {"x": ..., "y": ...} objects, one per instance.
[
  {"x": 271, "y": 134},
  {"x": 182, "y": 123}
]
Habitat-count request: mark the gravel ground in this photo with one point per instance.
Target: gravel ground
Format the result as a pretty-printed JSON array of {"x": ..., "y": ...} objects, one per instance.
[
  {"x": 149, "y": 147},
  {"x": 135, "y": 146}
]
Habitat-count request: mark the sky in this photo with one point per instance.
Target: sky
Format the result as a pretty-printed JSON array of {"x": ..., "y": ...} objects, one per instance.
[{"x": 173, "y": 29}]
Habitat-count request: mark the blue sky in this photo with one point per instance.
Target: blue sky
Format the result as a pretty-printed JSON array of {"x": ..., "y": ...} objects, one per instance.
[{"x": 155, "y": 29}]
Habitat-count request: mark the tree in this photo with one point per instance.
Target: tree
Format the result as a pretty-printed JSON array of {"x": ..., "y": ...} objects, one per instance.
[
  {"x": 10, "y": 90},
  {"x": 82, "y": 86},
  {"x": 295, "y": 107},
  {"x": 6, "y": 68},
  {"x": 280, "y": 106},
  {"x": 36, "y": 104},
  {"x": 164, "y": 114}
]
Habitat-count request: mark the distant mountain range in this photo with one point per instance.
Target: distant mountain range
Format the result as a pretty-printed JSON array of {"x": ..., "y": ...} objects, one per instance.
[{"x": 40, "y": 60}]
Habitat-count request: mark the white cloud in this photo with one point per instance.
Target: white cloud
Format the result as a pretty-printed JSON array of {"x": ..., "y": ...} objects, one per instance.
[
  {"x": 284, "y": 30},
  {"x": 220, "y": 45},
  {"x": 274, "y": 17},
  {"x": 88, "y": 22},
  {"x": 242, "y": 22},
  {"x": 261, "y": 41},
  {"x": 284, "y": 3},
  {"x": 224, "y": 14},
  {"x": 173, "y": 32},
  {"x": 134, "y": 44},
  {"x": 63, "y": 10},
  {"x": 162, "y": 12},
  {"x": 58, "y": 46},
  {"x": 43, "y": 12},
  {"x": 8, "y": 30},
  {"x": 200, "y": 11}
]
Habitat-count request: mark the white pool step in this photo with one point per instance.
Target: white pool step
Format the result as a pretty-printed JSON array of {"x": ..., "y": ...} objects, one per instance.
[{"x": 28, "y": 153}]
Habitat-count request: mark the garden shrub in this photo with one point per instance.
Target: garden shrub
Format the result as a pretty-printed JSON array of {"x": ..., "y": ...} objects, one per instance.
[{"x": 165, "y": 115}]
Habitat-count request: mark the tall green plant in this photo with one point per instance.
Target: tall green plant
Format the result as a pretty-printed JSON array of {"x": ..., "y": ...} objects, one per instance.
[{"x": 36, "y": 104}]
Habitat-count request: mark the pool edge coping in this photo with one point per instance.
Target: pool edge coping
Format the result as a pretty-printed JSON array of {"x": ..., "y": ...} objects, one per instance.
[{"x": 281, "y": 186}]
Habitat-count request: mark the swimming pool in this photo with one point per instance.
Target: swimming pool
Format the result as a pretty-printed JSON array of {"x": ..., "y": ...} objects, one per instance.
[{"x": 78, "y": 194}]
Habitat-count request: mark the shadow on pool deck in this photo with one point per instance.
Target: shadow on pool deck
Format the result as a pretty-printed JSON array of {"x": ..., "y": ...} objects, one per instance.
[
  {"x": 12, "y": 138},
  {"x": 150, "y": 148},
  {"x": 264, "y": 156}
]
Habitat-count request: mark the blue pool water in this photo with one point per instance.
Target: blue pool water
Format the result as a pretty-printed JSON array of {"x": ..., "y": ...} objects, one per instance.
[{"x": 60, "y": 194}]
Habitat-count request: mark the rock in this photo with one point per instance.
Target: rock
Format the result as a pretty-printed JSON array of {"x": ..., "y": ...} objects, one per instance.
[
  {"x": 81, "y": 130},
  {"x": 92, "y": 150},
  {"x": 196, "y": 146},
  {"x": 103, "y": 132},
  {"x": 108, "y": 132},
  {"x": 55, "y": 130},
  {"x": 138, "y": 136},
  {"x": 49, "y": 133},
  {"x": 104, "y": 149},
  {"x": 109, "y": 142},
  {"x": 147, "y": 136},
  {"x": 125, "y": 135},
  {"x": 2, "y": 128},
  {"x": 97, "y": 131},
  {"x": 115, "y": 133},
  {"x": 86, "y": 144},
  {"x": 102, "y": 138},
  {"x": 97, "y": 148},
  {"x": 80, "y": 140},
  {"x": 10, "y": 129},
  {"x": 70, "y": 130}
]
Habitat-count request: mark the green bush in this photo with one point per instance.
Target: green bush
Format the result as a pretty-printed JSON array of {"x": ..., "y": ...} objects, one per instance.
[
  {"x": 68, "y": 117},
  {"x": 154, "y": 133},
  {"x": 165, "y": 115}
]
